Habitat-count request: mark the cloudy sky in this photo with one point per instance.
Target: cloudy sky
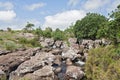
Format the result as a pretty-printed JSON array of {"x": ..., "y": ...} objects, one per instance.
[{"x": 50, "y": 13}]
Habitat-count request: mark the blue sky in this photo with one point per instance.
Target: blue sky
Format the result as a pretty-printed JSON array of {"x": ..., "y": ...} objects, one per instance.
[{"x": 50, "y": 13}]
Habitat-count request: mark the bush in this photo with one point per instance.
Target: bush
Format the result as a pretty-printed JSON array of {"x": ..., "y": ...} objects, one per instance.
[
  {"x": 10, "y": 45},
  {"x": 30, "y": 43},
  {"x": 58, "y": 35},
  {"x": 103, "y": 64}
]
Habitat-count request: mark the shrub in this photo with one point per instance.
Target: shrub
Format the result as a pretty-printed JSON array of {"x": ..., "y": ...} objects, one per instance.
[
  {"x": 10, "y": 45},
  {"x": 58, "y": 35},
  {"x": 30, "y": 43},
  {"x": 103, "y": 64}
]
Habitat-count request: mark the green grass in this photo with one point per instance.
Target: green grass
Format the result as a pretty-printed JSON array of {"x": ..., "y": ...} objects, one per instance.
[{"x": 12, "y": 41}]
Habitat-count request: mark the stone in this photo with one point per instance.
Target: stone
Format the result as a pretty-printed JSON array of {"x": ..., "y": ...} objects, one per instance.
[
  {"x": 26, "y": 35},
  {"x": 58, "y": 44},
  {"x": 69, "y": 54},
  {"x": 74, "y": 72},
  {"x": 35, "y": 63},
  {"x": 47, "y": 43},
  {"x": 56, "y": 51},
  {"x": 11, "y": 61},
  {"x": 72, "y": 40},
  {"x": 68, "y": 62}
]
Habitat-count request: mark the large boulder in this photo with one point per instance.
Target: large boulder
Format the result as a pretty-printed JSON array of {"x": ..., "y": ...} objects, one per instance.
[
  {"x": 44, "y": 73},
  {"x": 70, "y": 54},
  {"x": 11, "y": 61},
  {"x": 74, "y": 73},
  {"x": 72, "y": 40},
  {"x": 48, "y": 42},
  {"x": 58, "y": 44},
  {"x": 56, "y": 51},
  {"x": 35, "y": 63}
]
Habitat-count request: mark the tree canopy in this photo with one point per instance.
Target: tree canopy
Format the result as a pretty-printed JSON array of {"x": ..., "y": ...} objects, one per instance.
[{"x": 89, "y": 26}]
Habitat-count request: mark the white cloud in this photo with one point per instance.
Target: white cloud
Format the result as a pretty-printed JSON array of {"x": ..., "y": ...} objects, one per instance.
[
  {"x": 35, "y": 6},
  {"x": 95, "y": 4},
  {"x": 18, "y": 24},
  {"x": 73, "y": 2},
  {"x": 7, "y": 15},
  {"x": 64, "y": 19},
  {"x": 6, "y": 5}
]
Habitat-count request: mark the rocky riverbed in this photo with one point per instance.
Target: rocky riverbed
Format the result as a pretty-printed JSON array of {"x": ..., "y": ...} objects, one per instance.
[{"x": 57, "y": 60}]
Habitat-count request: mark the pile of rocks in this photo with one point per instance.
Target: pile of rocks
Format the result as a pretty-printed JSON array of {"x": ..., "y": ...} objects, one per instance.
[{"x": 57, "y": 60}]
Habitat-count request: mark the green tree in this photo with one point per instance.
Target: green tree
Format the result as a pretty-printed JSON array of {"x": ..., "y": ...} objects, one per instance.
[
  {"x": 47, "y": 32},
  {"x": 114, "y": 25},
  {"x": 39, "y": 32},
  {"x": 29, "y": 26},
  {"x": 69, "y": 32},
  {"x": 58, "y": 34},
  {"x": 89, "y": 26}
]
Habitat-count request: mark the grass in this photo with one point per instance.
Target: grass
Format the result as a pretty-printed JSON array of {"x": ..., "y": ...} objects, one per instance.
[{"x": 10, "y": 40}]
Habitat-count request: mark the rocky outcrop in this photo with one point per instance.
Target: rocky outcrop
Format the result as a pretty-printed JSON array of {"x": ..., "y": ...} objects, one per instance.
[
  {"x": 10, "y": 62},
  {"x": 57, "y": 60}
]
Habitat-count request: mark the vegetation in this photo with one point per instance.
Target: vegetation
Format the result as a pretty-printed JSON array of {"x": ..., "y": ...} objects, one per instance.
[
  {"x": 89, "y": 26},
  {"x": 47, "y": 32},
  {"x": 103, "y": 64},
  {"x": 58, "y": 34},
  {"x": 29, "y": 43},
  {"x": 28, "y": 27}
]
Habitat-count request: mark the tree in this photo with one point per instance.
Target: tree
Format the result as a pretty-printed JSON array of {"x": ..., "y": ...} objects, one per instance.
[
  {"x": 58, "y": 34},
  {"x": 114, "y": 25},
  {"x": 47, "y": 32},
  {"x": 39, "y": 32},
  {"x": 29, "y": 26},
  {"x": 69, "y": 32},
  {"x": 9, "y": 29},
  {"x": 89, "y": 26}
]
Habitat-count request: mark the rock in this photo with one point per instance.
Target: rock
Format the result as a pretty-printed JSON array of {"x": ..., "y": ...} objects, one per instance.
[
  {"x": 27, "y": 35},
  {"x": 105, "y": 42},
  {"x": 47, "y": 43},
  {"x": 70, "y": 54},
  {"x": 45, "y": 73},
  {"x": 57, "y": 70},
  {"x": 41, "y": 39},
  {"x": 4, "y": 52},
  {"x": 36, "y": 62},
  {"x": 72, "y": 40},
  {"x": 57, "y": 62},
  {"x": 44, "y": 44},
  {"x": 68, "y": 62},
  {"x": 56, "y": 51},
  {"x": 11, "y": 61},
  {"x": 74, "y": 72},
  {"x": 80, "y": 63},
  {"x": 85, "y": 55},
  {"x": 46, "y": 49},
  {"x": 58, "y": 44}
]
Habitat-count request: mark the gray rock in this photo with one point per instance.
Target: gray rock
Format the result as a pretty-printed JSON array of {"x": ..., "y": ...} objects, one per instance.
[{"x": 74, "y": 72}]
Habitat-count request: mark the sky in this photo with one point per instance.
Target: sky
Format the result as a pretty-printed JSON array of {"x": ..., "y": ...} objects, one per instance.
[{"x": 50, "y": 13}]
